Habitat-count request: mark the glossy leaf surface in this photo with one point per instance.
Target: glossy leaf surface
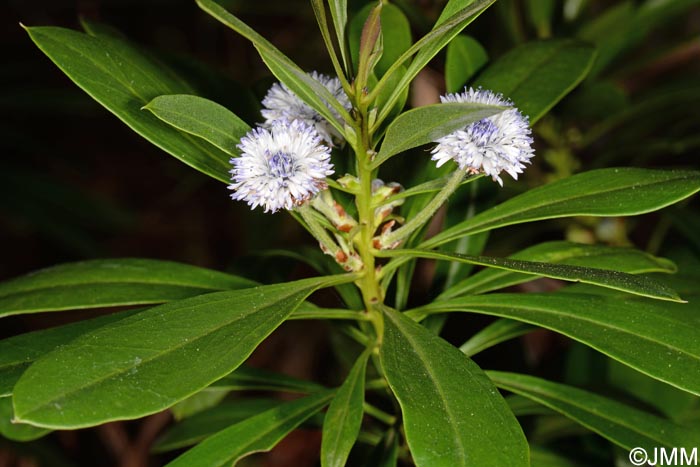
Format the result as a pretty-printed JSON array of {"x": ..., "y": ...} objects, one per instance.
[
  {"x": 465, "y": 56},
  {"x": 603, "y": 192},
  {"x": 201, "y": 425},
  {"x": 18, "y": 352},
  {"x": 256, "y": 434},
  {"x": 202, "y": 118},
  {"x": 657, "y": 338},
  {"x": 110, "y": 282},
  {"x": 628, "y": 260},
  {"x": 134, "y": 367},
  {"x": 638, "y": 285},
  {"x": 425, "y": 124},
  {"x": 623, "y": 425},
  {"x": 537, "y": 75},
  {"x": 453, "y": 416},
  {"x": 344, "y": 417}
]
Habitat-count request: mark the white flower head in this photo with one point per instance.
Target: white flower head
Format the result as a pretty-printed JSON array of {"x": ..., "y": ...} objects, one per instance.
[
  {"x": 491, "y": 145},
  {"x": 280, "y": 167},
  {"x": 282, "y": 104}
]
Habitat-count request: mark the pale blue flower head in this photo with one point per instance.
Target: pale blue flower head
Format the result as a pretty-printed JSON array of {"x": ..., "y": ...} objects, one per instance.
[
  {"x": 491, "y": 145},
  {"x": 280, "y": 167},
  {"x": 280, "y": 103}
]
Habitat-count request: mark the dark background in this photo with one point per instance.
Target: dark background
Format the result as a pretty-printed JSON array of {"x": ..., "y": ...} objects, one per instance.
[{"x": 76, "y": 183}]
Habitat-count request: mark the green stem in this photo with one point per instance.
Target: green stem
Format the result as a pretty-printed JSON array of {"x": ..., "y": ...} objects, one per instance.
[
  {"x": 317, "y": 230},
  {"x": 402, "y": 233},
  {"x": 372, "y": 293},
  {"x": 329, "y": 313},
  {"x": 379, "y": 414}
]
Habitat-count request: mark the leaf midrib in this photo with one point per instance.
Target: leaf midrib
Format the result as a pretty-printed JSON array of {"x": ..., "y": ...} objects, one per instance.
[
  {"x": 438, "y": 388},
  {"x": 542, "y": 399},
  {"x": 642, "y": 286},
  {"x": 569, "y": 315},
  {"x": 169, "y": 350},
  {"x": 132, "y": 123},
  {"x": 110, "y": 283},
  {"x": 489, "y": 223}
]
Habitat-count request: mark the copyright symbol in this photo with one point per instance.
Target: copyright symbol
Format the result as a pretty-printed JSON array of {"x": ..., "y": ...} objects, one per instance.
[{"x": 638, "y": 456}]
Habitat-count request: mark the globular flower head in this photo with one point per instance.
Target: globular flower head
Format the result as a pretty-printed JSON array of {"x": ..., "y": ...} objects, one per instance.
[
  {"x": 280, "y": 167},
  {"x": 280, "y": 103},
  {"x": 491, "y": 145}
]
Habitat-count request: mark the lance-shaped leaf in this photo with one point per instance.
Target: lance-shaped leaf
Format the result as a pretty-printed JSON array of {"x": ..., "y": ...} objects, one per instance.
[
  {"x": 202, "y": 118},
  {"x": 426, "y": 124},
  {"x": 304, "y": 86},
  {"x": 123, "y": 80},
  {"x": 396, "y": 35},
  {"x": 623, "y": 425},
  {"x": 537, "y": 75},
  {"x": 201, "y": 425},
  {"x": 465, "y": 56},
  {"x": 453, "y": 415},
  {"x": 428, "y": 46},
  {"x": 339, "y": 13},
  {"x": 657, "y": 338},
  {"x": 499, "y": 331},
  {"x": 628, "y": 260},
  {"x": 603, "y": 192},
  {"x": 246, "y": 378},
  {"x": 17, "y": 431},
  {"x": 344, "y": 417},
  {"x": 18, "y": 352},
  {"x": 135, "y": 367},
  {"x": 256, "y": 434},
  {"x": 638, "y": 285},
  {"x": 110, "y": 282}
]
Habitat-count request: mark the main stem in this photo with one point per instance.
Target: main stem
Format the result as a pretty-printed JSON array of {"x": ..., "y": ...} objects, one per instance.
[{"x": 372, "y": 294}]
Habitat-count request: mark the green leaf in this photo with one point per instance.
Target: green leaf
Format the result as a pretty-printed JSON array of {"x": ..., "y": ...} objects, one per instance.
[
  {"x": 453, "y": 415},
  {"x": 499, "y": 331},
  {"x": 668, "y": 400},
  {"x": 134, "y": 367},
  {"x": 18, "y": 352},
  {"x": 370, "y": 45},
  {"x": 339, "y": 13},
  {"x": 17, "y": 431},
  {"x": 198, "y": 402},
  {"x": 319, "y": 7},
  {"x": 123, "y": 80},
  {"x": 299, "y": 82},
  {"x": 537, "y": 75},
  {"x": 344, "y": 417},
  {"x": 627, "y": 260},
  {"x": 386, "y": 452},
  {"x": 623, "y": 425},
  {"x": 247, "y": 378},
  {"x": 603, "y": 192},
  {"x": 201, "y": 425},
  {"x": 396, "y": 35},
  {"x": 430, "y": 45},
  {"x": 201, "y": 117},
  {"x": 543, "y": 458},
  {"x": 451, "y": 8},
  {"x": 657, "y": 338},
  {"x": 638, "y": 285},
  {"x": 540, "y": 14},
  {"x": 257, "y": 434},
  {"x": 426, "y": 124},
  {"x": 465, "y": 56},
  {"x": 110, "y": 282}
]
